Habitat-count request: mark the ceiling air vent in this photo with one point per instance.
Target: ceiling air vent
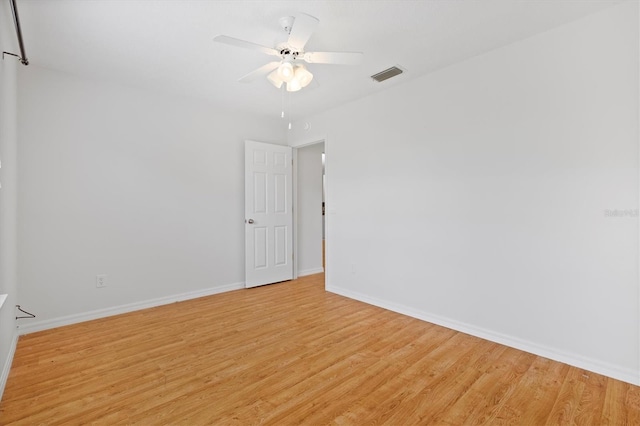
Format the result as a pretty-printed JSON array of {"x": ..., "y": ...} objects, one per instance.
[{"x": 387, "y": 74}]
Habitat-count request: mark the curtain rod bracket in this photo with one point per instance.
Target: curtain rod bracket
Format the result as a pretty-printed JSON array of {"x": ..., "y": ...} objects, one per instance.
[
  {"x": 23, "y": 61},
  {"x": 30, "y": 315}
]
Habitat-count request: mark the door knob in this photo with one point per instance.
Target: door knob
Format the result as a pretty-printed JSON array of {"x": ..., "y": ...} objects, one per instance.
[{"x": 250, "y": 221}]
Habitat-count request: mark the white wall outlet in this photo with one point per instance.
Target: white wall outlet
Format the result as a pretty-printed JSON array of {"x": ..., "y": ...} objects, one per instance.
[{"x": 101, "y": 280}]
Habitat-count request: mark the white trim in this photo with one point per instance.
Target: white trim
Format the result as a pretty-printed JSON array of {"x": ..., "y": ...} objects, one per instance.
[
  {"x": 310, "y": 272},
  {"x": 638, "y": 263},
  {"x": 32, "y": 327},
  {"x": 294, "y": 198},
  {"x": 7, "y": 365},
  {"x": 327, "y": 214},
  {"x": 614, "y": 371},
  {"x": 310, "y": 142},
  {"x": 3, "y": 297}
]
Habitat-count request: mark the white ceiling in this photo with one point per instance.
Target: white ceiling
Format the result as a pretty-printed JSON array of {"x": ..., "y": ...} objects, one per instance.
[{"x": 166, "y": 45}]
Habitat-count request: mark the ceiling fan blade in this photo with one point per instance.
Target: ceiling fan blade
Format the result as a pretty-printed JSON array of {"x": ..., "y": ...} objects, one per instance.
[
  {"x": 341, "y": 58},
  {"x": 246, "y": 44},
  {"x": 263, "y": 70},
  {"x": 303, "y": 27}
]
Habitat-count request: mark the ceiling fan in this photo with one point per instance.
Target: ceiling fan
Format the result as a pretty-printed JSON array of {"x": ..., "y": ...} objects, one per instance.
[{"x": 289, "y": 67}]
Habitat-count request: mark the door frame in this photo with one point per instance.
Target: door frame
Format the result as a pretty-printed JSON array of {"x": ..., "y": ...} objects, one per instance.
[{"x": 296, "y": 244}]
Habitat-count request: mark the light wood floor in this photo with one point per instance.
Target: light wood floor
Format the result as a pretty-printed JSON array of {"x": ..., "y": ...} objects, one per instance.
[{"x": 291, "y": 353}]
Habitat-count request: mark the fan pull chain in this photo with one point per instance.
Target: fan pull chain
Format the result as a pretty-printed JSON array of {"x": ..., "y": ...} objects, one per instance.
[
  {"x": 282, "y": 112},
  {"x": 289, "y": 95}
]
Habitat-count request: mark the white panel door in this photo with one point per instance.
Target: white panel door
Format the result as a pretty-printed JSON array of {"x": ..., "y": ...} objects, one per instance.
[{"x": 268, "y": 213}]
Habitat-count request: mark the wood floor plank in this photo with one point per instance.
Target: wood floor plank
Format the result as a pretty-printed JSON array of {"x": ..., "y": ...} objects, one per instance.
[
  {"x": 589, "y": 411},
  {"x": 437, "y": 399},
  {"x": 375, "y": 393},
  {"x": 621, "y": 405},
  {"x": 497, "y": 410},
  {"x": 479, "y": 402},
  {"x": 569, "y": 398},
  {"x": 291, "y": 353}
]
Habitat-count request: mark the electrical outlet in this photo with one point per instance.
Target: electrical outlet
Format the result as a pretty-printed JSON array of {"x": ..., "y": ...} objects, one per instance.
[{"x": 101, "y": 280}]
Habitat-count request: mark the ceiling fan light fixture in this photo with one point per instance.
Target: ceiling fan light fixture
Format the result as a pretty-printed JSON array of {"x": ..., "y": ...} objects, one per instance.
[
  {"x": 303, "y": 75},
  {"x": 290, "y": 54},
  {"x": 275, "y": 79},
  {"x": 285, "y": 70},
  {"x": 293, "y": 85}
]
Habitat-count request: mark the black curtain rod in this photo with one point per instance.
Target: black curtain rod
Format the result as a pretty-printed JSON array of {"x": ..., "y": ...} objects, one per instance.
[{"x": 16, "y": 19}]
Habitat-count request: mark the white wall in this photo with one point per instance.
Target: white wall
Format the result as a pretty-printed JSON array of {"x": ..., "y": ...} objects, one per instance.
[
  {"x": 8, "y": 197},
  {"x": 144, "y": 188},
  {"x": 309, "y": 196},
  {"x": 475, "y": 196}
]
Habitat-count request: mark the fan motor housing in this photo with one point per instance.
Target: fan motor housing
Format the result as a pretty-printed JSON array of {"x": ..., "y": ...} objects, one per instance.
[{"x": 285, "y": 51}]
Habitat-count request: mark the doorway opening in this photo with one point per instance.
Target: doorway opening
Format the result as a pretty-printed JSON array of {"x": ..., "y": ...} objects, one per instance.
[
  {"x": 324, "y": 196},
  {"x": 310, "y": 193}
]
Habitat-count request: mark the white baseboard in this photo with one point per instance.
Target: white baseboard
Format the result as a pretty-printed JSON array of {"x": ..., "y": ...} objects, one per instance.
[
  {"x": 310, "y": 272},
  {"x": 32, "y": 327},
  {"x": 6, "y": 368},
  {"x": 606, "y": 369}
]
